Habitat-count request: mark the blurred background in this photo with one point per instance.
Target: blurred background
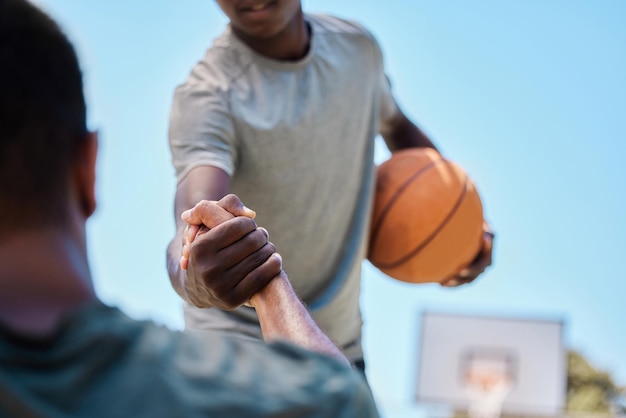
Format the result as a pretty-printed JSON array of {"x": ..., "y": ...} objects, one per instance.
[{"x": 528, "y": 96}]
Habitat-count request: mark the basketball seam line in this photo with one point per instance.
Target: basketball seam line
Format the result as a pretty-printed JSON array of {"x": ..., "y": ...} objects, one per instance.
[
  {"x": 397, "y": 195},
  {"x": 433, "y": 234}
]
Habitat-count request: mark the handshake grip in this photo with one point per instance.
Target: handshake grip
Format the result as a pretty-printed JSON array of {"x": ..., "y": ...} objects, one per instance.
[{"x": 226, "y": 257}]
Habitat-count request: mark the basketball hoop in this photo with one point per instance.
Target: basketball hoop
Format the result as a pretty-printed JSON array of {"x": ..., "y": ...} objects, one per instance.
[
  {"x": 488, "y": 380},
  {"x": 526, "y": 353}
]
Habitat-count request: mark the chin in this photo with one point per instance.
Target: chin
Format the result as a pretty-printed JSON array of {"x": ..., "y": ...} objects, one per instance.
[{"x": 261, "y": 32}]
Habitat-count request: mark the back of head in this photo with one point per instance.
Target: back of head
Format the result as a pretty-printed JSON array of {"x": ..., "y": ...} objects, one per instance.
[{"x": 42, "y": 117}]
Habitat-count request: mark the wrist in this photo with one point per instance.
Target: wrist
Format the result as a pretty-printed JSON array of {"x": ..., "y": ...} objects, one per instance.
[{"x": 273, "y": 292}]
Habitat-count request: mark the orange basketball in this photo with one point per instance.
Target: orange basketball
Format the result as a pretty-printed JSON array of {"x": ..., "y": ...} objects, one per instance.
[{"x": 427, "y": 220}]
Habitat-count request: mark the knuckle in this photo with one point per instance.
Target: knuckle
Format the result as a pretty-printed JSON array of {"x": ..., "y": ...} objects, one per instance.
[
  {"x": 258, "y": 238},
  {"x": 249, "y": 222},
  {"x": 203, "y": 204},
  {"x": 264, "y": 231},
  {"x": 234, "y": 300},
  {"x": 261, "y": 255},
  {"x": 245, "y": 224},
  {"x": 274, "y": 265},
  {"x": 230, "y": 200},
  {"x": 257, "y": 278}
]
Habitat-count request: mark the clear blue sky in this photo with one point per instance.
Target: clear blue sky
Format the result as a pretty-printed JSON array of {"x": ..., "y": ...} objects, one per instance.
[{"x": 530, "y": 97}]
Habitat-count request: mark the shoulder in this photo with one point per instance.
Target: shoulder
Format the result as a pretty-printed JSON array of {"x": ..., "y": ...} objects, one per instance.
[
  {"x": 222, "y": 64},
  {"x": 335, "y": 25},
  {"x": 216, "y": 371},
  {"x": 347, "y": 36},
  {"x": 272, "y": 379},
  {"x": 327, "y": 25}
]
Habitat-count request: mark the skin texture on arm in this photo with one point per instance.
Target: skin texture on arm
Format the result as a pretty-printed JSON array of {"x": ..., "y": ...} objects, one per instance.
[
  {"x": 283, "y": 317},
  {"x": 401, "y": 134}
]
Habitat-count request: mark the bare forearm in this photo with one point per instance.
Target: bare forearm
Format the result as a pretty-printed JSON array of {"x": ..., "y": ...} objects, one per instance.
[
  {"x": 403, "y": 134},
  {"x": 284, "y": 317}
]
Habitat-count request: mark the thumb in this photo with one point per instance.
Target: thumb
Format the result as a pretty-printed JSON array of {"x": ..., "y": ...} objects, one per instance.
[
  {"x": 207, "y": 213},
  {"x": 235, "y": 206}
]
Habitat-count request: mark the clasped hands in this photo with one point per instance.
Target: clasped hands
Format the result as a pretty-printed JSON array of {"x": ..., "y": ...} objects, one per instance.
[{"x": 226, "y": 257}]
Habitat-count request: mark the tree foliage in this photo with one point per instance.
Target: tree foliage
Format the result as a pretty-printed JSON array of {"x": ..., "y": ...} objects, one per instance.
[{"x": 591, "y": 390}]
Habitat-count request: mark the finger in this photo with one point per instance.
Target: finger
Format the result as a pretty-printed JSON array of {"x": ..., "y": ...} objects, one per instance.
[
  {"x": 451, "y": 282},
  {"x": 468, "y": 274},
  {"x": 207, "y": 213},
  {"x": 476, "y": 267},
  {"x": 483, "y": 259},
  {"x": 184, "y": 262},
  {"x": 464, "y": 276},
  {"x": 239, "y": 250},
  {"x": 252, "y": 261},
  {"x": 222, "y": 236},
  {"x": 487, "y": 243},
  {"x": 456, "y": 281},
  {"x": 231, "y": 294},
  {"x": 235, "y": 206},
  {"x": 205, "y": 250},
  {"x": 258, "y": 278},
  {"x": 189, "y": 234},
  {"x": 487, "y": 228}
]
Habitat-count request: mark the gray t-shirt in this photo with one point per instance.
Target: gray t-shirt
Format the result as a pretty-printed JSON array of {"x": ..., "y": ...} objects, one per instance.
[
  {"x": 297, "y": 139},
  {"x": 100, "y": 363}
]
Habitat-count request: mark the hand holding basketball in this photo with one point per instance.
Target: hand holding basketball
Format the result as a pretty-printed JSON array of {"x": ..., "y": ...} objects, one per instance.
[
  {"x": 479, "y": 265},
  {"x": 427, "y": 223}
]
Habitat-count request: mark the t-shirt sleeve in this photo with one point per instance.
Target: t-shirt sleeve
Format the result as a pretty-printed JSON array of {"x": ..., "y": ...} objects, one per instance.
[
  {"x": 388, "y": 106},
  {"x": 201, "y": 130}
]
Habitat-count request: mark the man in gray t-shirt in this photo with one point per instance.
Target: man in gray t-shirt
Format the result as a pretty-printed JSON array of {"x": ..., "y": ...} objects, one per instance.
[{"x": 283, "y": 111}]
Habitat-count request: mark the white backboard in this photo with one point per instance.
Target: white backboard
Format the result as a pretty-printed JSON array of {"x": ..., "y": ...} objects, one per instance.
[{"x": 528, "y": 353}]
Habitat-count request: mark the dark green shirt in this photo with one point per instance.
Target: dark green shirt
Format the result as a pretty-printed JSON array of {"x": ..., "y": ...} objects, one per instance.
[{"x": 101, "y": 363}]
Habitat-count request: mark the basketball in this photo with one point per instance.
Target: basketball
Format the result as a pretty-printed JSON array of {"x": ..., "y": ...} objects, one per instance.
[{"x": 427, "y": 220}]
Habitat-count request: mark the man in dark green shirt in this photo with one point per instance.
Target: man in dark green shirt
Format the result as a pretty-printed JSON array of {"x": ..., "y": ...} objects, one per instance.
[{"x": 64, "y": 353}]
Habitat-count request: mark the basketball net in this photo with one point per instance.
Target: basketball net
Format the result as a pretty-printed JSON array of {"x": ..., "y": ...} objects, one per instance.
[{"x": 486, "y": 390}]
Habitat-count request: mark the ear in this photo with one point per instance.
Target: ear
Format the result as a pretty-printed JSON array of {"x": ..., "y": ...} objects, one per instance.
[{"x": 86, "y": 173}]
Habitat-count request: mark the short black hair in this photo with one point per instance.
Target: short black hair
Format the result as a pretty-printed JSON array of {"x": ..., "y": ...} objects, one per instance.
[{"x": 42, "y": 116}]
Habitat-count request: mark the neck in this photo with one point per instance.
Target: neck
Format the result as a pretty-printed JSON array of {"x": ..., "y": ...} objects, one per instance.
[
  {"x": 44, "y": 275},
  {"x": 290, "y": 44}
]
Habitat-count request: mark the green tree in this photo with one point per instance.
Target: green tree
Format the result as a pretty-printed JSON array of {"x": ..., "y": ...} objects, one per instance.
[{"x": 590, "y": 390}]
